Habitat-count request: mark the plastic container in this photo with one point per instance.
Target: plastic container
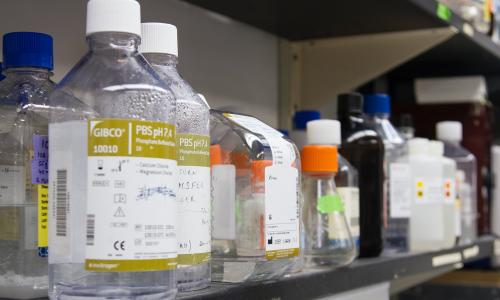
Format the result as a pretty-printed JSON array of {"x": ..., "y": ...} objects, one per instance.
[
  {"x": 23, "y": 164},
  {"x": 450, "y": 132},
  {"x": 406, "y": 129},
  {"x": 346, "y": 177},
  {"x": 431, "y": 224},
  {"x": 328, "y": 239},
  {"x": 159, "y": 47},
  {"x": 377, "y": 108},
  {"x": 364, "y": 149},
  {"x": 300, "y": 119},
  {"x": 113, "y": 133},
  {"x": 258, "y": 234}
]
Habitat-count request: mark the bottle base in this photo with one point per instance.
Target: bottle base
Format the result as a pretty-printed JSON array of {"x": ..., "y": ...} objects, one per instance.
[
  {"x": 241, "y": 270},
  {"x": 193, "y": 278},
  {"x": 111, "y": 292}
]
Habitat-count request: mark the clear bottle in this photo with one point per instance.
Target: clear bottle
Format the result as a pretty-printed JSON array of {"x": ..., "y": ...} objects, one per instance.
[
  {"x": 450, "y": 132},
  {"x": 159, "y": 47},
  {"x": 346, "y": 181},
  {"x": 328, "y": 239},
  {"x": 263, "y": 170},
  {"x": 112, "y": 130},
  {"x": 377, "y": 108},
  {"x": 406, "y": 129},
  {"x": 364, "y": 149},
  {"x": 28, "y": 62}
]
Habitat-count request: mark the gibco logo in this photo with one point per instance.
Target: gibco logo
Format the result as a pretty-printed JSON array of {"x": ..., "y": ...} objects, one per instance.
[{"x": 106, "y": 132}]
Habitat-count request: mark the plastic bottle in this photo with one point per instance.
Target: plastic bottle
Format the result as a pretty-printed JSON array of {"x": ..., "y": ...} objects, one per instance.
[
  {"x": 328, "y": 240},
  {"x": 262, "y": 232},
  {"x": 23, "y": 164},
  {"x": 406, "y": 129},
  {"x": 450, "y": 133},
  {"x": 428, "y": 230},
  {"x": 364, "y": 149},
  {"x": 112, "y": 186},
  {"x": 159, "y": 47},
  {"x": 377, "y": 108},
  {"x": 346, "y": 180},
  {"x": 300, "y": 119}
]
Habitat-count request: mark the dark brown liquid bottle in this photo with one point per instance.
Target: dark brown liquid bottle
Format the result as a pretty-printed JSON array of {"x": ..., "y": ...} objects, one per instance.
[{"x": 364, "y": 149}]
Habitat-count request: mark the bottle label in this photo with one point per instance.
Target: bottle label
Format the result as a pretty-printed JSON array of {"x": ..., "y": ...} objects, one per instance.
[
  {"x": 449, "y": 191},
  {"x": 12, "y": 184},
  {"x": 350, "y": 197},
  {"x": 283, "y": 152},
  {"x": 223, "y": 202},
  {"x": 43, "y": 220},
  {"x": 282, "y": 231},
  {"x": 428, "y": 190},
  {"x": 131, "y": 186},
  {"x": 400, "y": 190},
  {"x": 40, "y": 160},
  {"x": 193, "y": 199}
]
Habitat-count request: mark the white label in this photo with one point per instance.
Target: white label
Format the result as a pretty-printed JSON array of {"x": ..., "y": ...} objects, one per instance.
[
  {"x": 223, "y": 203},
  {"x": 193, "y": 198},
  {"x": 12, "y": 184},
  {"x": 428, "y": 190},
  {"x": 283, "y": 151},
  {"x": 400, "y": 190},
  {"x": 350, "y": 198},
  {"x": 67, "y": 191},
  {"x": 129, "y": 199},
  {"x": 449, "y": 190},
  {"x": 281, "y": 208}
]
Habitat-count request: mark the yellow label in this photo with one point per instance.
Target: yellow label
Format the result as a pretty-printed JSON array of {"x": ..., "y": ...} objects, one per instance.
[
  {"x": 9, "y": 223},
  {"x": 98, "y": 265},
  {"x": 281, "y": 254},
  {"x": 193, "y": 150},
  {"x": 43, "y": 213},
  {"x": 129, "y": 137},
  {"x": 193, "y": 259}
]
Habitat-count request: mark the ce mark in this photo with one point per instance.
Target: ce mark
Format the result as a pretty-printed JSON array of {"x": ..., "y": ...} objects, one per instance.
[{"x": 119, "y": 245}]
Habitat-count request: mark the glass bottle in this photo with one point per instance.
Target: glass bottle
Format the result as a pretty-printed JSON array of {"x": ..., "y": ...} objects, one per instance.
[
  {"x": 28, "y": 63},
  {"x": 263, "y": 170},
  {"x": 364, "y": 149},
  {"x": 328, "y": 240},
  {"x": 112, "y": 186},
  {"x": 159, "y": 47},
  {"x": 450, "y": 132},
  {"x": 377, "y": 109}
]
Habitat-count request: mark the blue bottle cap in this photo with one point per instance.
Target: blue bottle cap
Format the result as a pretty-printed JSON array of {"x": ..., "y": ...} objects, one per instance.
[
  {"x": 28, "y": 49},
  {"x": 2, "y": 77},
  {"x": 301, "y": 118},
  {"x": 377, "y": 103},
  {"x": 284, "y": 132}
]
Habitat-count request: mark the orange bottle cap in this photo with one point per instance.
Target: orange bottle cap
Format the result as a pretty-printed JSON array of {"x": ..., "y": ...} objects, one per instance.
[
  {"x": 259, "y": 170},
  {"x": 320, "y": 158}
]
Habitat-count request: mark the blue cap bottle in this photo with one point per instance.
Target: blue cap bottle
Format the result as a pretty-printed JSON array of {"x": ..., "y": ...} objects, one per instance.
[
  {"x": 377, "y": 104},
  {"x": 301, "y": 118},
  {"x": 28, "y": 50}
]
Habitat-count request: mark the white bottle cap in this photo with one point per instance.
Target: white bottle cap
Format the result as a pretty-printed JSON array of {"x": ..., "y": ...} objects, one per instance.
[
  {"x": 436, "y": 148},
  {"x": 113, "y": 16},
  {"x": 418, "y": 146},
  {"x": 449, "y": 131},
  {"x": 159, "y": 38},
  {"x": 323, "y": 132}
]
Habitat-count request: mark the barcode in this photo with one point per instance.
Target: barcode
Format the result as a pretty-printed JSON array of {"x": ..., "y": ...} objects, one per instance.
[
  {"x": 90, "y": 230},
  {"x": 61, "y": 202}
]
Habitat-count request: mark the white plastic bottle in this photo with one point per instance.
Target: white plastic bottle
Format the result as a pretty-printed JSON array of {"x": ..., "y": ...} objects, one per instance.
[
  {"x": 427, "y": 229},
  {"x": 113, "y": 172},
  {"x": 450, "y": 132},
  {"x": 159, "y": 47},
  {"x": 448, "y": 186}
]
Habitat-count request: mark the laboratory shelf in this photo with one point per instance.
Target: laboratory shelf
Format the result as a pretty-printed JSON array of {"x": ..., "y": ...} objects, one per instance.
[
  {"x": 316, "y": 283},
  {"x": 465, "y": 52}
]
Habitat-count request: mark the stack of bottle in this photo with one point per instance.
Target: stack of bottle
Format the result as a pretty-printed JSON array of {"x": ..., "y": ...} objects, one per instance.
[{"x": 120, "y": 182}]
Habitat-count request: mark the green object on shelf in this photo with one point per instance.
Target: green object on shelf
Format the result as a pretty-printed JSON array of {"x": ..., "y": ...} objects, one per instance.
[
  {"x": 330, "y": 203},
  {"x": 443, "y": 12}
]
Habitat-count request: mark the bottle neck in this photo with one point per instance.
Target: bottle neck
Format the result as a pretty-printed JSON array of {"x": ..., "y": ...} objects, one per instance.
[
  {"x": 162, "y": 59},
  {"x": 120, "y": 42},
  {"x": 39, "y": 73}
]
